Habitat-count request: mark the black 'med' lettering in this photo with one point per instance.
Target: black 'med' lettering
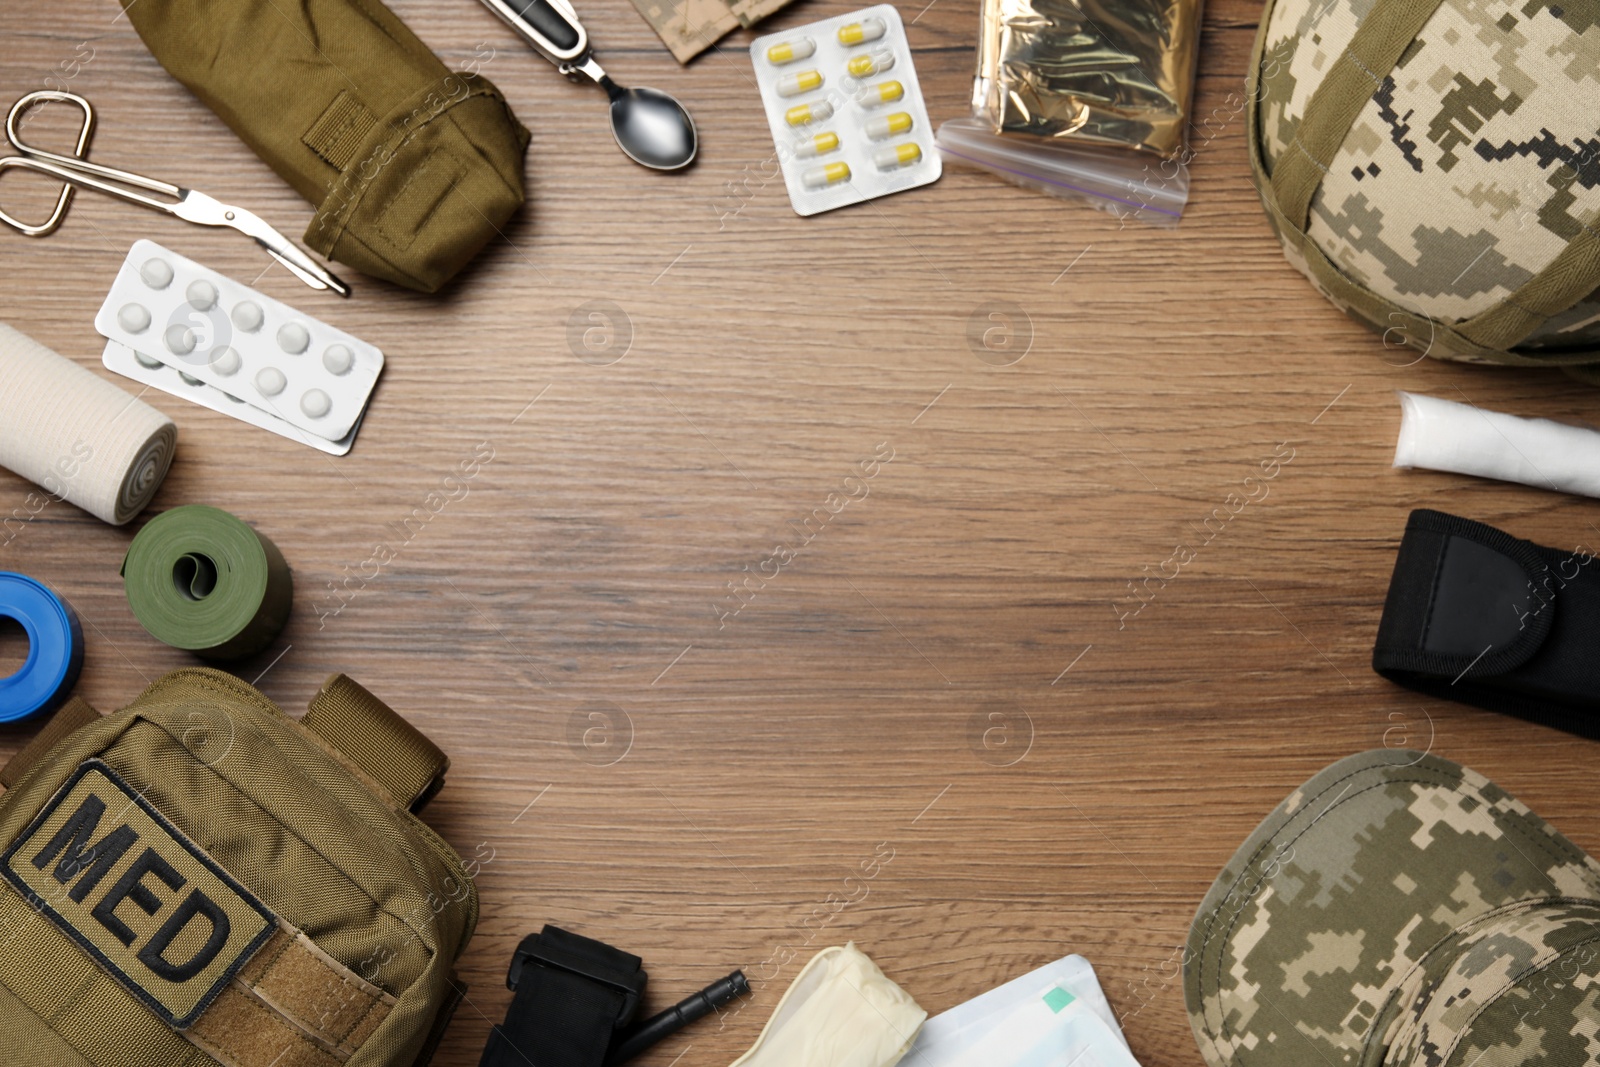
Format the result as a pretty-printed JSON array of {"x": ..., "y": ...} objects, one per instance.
[
  {"x": 154, "y": 955},
  {"x": 131, "y": 887},
  {"x": 71, "y": 843}
]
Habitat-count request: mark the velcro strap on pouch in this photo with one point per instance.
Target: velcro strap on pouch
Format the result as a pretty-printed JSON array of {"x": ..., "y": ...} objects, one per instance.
[
  {"x": 374, "y": 741},
  {"x": 292, "y": 1005}
]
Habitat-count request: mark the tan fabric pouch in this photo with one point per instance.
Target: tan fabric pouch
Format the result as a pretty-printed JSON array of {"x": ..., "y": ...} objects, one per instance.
[
  {"x": 199, "y": 879},
  {"x": 413, "y": 169}
]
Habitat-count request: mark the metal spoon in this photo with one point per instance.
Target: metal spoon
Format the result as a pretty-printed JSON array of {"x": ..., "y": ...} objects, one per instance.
[{"x": 651, "y": 127}]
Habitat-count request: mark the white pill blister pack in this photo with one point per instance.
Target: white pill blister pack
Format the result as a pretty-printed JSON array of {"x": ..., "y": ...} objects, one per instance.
[
  {"x": 254, "y": 349},
  {"x": 147, "y": 370},
  {"x": 845, "y": 109}
]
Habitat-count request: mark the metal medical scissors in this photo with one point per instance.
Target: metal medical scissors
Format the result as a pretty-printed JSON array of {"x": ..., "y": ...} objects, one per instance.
[{"x": 187, "y": 204}]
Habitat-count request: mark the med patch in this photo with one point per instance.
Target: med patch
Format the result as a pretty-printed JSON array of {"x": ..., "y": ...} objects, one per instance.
[{"x": 140, "y": 897}]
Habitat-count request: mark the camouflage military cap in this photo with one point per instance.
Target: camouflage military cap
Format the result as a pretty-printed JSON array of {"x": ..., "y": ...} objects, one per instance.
[{"x": 1404, "y": 911}]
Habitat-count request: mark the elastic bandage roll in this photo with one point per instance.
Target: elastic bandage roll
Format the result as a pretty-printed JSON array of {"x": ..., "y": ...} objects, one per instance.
[{"x": 76, "y": 436}]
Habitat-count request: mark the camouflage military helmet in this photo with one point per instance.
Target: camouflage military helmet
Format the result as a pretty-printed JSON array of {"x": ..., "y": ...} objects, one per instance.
[
  {"x": 1433, "y": 166},
  {"x": 1399, "y": 910}
]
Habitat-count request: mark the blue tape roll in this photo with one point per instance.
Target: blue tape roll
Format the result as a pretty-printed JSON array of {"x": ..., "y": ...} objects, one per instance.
[{"x": 55, "y": 648}]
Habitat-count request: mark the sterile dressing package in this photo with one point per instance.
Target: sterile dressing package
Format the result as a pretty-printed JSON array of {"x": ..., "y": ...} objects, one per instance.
[
  {"x": 1051, "y": 1017},
  {"x": 845, "y": 108},
  {"x": 840, "y": 1011}
]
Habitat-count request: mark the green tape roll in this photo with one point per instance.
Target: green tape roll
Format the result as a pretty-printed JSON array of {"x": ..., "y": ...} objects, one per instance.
[{"x": 199, "y": 579}]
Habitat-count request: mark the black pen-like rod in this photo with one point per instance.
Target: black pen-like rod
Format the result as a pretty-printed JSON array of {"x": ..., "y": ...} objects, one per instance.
[{"x": 695, "y": 1006}]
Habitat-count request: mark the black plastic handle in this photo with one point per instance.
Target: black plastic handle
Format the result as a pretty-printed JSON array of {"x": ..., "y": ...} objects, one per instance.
[{"x": 548, "y": 21}]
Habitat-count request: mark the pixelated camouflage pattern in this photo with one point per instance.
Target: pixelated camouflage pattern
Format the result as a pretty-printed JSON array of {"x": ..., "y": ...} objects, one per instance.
[
  {"x": 1473, "y": 165},
  {"x": 1545, "y": 956},
  {"x": 1399, "y": 909},
  {"x": 750, "y": 12},
  {"x": 689, "y": 27},
  {"x": 1303, "y": 38}
]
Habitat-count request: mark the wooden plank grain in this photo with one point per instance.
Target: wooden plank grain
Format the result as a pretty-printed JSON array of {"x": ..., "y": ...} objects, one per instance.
[{"x": 762, "y": 735}]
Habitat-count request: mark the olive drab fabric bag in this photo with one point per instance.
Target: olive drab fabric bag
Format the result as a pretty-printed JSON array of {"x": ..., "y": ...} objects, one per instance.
[
  {"x": 413, "y": 169},
  {"x": 200, "y": 879},
  {"x": 1433, "y": 166}
]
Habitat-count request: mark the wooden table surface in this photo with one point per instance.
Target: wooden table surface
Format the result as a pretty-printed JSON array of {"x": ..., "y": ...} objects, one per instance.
[{"x": 946, "y": 682}]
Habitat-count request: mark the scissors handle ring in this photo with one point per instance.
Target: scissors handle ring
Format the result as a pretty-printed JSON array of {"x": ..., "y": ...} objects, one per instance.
[{"x": 22, "y": 107}]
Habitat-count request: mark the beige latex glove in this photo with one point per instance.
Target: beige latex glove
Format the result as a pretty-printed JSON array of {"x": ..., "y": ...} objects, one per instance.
[{"x": 840, "y": 1011}]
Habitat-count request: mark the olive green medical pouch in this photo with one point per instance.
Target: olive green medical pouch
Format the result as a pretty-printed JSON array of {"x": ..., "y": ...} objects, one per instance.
[
  {"x": 200, "y": 879},
  {"x": 412, "y": 169}
]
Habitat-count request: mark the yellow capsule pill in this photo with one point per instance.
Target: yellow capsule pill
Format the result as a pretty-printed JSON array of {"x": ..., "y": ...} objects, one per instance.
[
  {"x": 789, "y": 51},
  {"x": 821, "y": 144},
  {"x": 822, "y": 177},
  {"x": 806, "y": 114},
  {"x": 880, "y": 94},
  {"x": 896, "y": 155},
  {"x": 889, "y": 126},
  {"x": 865, "y": 66},
  {"x": 861, "y": 32},
  {"x": 802, "y": 82}
]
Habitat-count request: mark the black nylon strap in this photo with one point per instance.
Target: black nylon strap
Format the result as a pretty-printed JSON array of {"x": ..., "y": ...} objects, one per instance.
[
  {"x": 1476, "y": 615},
  {"x": 572, "y": 996}
]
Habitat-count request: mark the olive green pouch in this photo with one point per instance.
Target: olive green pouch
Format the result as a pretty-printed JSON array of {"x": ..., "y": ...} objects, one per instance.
[
  {"x": 199, "y": 879},
  {"x": 412, "y": 168}
]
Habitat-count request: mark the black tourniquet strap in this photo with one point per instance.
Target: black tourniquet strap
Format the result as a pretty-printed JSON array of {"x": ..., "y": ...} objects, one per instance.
[
  {"x": 572, "y": 996},
  {"x": 1479, "y": 616}
]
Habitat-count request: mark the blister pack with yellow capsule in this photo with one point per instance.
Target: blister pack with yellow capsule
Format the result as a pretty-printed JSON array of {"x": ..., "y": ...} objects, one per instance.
[{"x": 846, "y": 112}]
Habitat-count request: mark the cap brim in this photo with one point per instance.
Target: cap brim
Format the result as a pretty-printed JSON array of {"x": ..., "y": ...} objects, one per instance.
[{"x": 1298, "y": 950}]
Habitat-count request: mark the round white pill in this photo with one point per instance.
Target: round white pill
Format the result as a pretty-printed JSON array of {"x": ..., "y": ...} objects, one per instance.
[
  {"x": 191, "y": 381},
  {"x": 202, "y": 295},
  {"x": 247, "y": 316},
  {"x": 338, "y": 359},
  {"x": 315, "y": 403},
  {"x": 179, "y": 339},
  {"x": 133, "y": 318},
  {"x": 157, "y": 273},
  {"x": 148, "y": 361},
  {"x": 293, "y": 338},
  {"x": 270, "y": 381},
  {"x": 225, "y": 361}
]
